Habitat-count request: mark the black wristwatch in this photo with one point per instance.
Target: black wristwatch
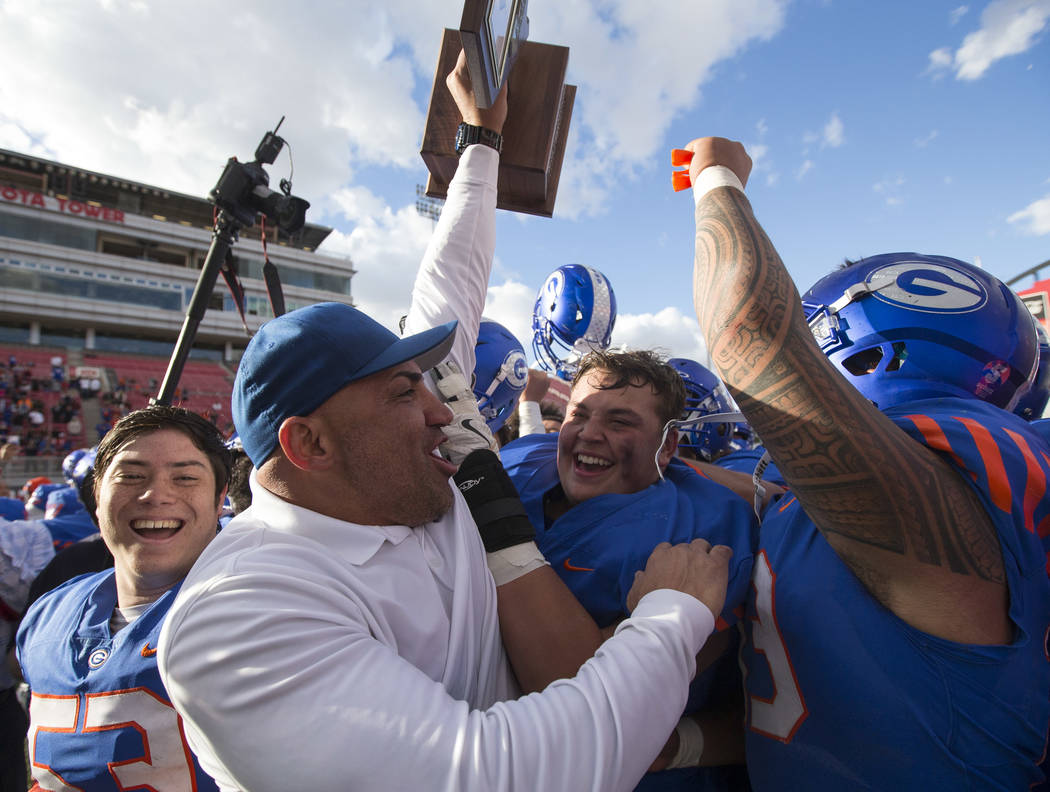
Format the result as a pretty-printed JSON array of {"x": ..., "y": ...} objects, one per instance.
[{"x": 468, "y": 135}]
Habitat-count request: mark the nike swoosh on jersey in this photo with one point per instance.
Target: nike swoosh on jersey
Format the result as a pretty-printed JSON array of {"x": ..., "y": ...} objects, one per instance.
[
  {"x": 146, "y": 651},
  {"x": 572, "y": 568}
]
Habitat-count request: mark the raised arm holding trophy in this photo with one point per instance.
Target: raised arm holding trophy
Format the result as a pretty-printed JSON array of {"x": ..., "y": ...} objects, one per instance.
[{"x": 493, "y": 35}]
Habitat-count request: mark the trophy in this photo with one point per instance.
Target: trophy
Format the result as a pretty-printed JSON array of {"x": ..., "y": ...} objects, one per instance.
[{"x": 493, "y": 34}]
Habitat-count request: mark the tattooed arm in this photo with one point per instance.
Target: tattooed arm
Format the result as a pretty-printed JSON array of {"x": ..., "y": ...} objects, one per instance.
[{"x": 909, "y": 526}]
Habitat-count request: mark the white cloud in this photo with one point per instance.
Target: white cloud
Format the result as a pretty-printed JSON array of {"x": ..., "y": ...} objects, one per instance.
[
  {"x": 759, "y": 153},
  {"x": 833, "y": 132},
  {"x": 386, "y": 249},
  {"x": 511, "y": 305},
  {"x": 669, "y": 331},
  {"x": 1034, "y": 219},
  {"x": 927, "y": 139},
  {"x": 14, "y": 137},
  {"x": 343, "y": 75},
  {"x": 890, "y": 190},
  {"x": 761, "y": 163},
  {"x": 1008, "y": 27},
  {"x": 804, "y": 168},
  {"x": 621, "y": 116},
  {"x": 957, "y": 14},
  {"x": 940, "y": 62}
]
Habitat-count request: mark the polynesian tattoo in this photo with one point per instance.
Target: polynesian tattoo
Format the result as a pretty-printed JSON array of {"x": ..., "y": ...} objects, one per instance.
[{"x": 856, "y": 474}]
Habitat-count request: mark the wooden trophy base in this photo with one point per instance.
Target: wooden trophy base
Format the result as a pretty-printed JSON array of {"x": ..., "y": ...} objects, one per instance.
[{"x": 538, "y": 114}]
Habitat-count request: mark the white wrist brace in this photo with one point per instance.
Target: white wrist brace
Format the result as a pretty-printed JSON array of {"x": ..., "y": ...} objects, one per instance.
[
  {"x": 690, "y": 744},
  {"x": 514, "y": 561},
  {"x": 712, "y": 177}
]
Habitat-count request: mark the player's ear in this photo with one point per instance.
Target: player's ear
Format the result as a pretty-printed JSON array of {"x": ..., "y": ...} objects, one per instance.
[
  {"x": 305, "y": 443},
  {"x": 667, "y": 450},
  {"x": 220, "y": 502}
]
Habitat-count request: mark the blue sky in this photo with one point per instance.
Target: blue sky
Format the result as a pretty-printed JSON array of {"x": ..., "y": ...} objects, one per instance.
[{"x": 874, "y": 127}]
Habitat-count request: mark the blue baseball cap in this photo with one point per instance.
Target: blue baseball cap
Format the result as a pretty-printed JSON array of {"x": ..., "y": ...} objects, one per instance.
[{"x": 296, "y": 362}]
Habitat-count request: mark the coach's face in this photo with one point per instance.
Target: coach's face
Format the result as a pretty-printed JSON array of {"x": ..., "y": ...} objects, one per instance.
[
  {"x": 157, "y": 510},
  {"x": 386, "y": 429},
  {"x": 608, "y": 442}
]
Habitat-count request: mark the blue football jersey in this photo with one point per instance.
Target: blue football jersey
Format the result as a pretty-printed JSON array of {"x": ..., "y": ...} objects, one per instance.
[
  {"x": 598, "y": 545},
  {"x": 67, "y": 529},
  {"x": 100, "y": 719},
  {"x": 842, "y": 694}
]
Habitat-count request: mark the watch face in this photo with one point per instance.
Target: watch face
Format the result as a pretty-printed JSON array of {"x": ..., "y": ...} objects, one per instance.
[
  {"x": 463, "y": 137},
  {"x": 468, "y": 135}
]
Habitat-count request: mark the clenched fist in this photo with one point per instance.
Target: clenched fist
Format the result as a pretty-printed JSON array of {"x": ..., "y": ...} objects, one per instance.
[{"x": 696, "y": 569}]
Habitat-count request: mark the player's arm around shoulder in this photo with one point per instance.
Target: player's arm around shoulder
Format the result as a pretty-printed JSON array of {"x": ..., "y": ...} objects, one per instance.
[{"x": 907, "y": 524}]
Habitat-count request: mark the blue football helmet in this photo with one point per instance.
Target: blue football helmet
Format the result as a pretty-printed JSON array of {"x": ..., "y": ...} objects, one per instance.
[
  {"x": 743, "y": 437},
  {"x": 575, "y": 312},
  {"x": 1032, "y": 404},
  {"x": 705, "y": 395},
  {"x": 906, "y": 326},
  {"x": 500, "y": 372},
  {"x": 69, "y": 464},
  {"x": 84, "y": 467}
]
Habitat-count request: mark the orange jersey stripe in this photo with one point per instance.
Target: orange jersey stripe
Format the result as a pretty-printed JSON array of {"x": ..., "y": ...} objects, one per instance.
[
  {"x": 1044, "y": 526},
  {"x": 998, "y": 484},
  {"x": 934, "y": 436},
  {"x": 1035, "y": 485},
  {"x": 696, "y": 467}
]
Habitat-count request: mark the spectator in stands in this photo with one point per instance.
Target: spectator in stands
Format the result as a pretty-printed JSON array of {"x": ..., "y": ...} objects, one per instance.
[
  {"x": 36, "y": 415},
  {"x": 58, "y": 373}
]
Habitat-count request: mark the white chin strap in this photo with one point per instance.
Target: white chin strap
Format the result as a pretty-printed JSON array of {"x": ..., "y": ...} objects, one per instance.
[{"x": 726, "y": 417}]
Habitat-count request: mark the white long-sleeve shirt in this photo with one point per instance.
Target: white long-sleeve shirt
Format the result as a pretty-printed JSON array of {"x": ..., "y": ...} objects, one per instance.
[
  {"x": 452, "y": 281},
  {"x": 305, "y": 652}
]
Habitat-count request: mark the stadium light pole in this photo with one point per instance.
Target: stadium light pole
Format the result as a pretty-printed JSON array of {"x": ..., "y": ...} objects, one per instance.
[{"x": 427, "y": 206}]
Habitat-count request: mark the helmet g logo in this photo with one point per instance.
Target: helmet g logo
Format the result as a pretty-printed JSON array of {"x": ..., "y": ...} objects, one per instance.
[
  {"x": 516, "y": 369},
  {"x": 927, "y": 287},
  {"x": 554, "y": 286}
]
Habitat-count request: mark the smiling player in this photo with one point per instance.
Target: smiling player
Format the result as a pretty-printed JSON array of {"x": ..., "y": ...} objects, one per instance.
[
  {"x": 99, "y": 715},
  {"x": 605, "y": 491}
]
